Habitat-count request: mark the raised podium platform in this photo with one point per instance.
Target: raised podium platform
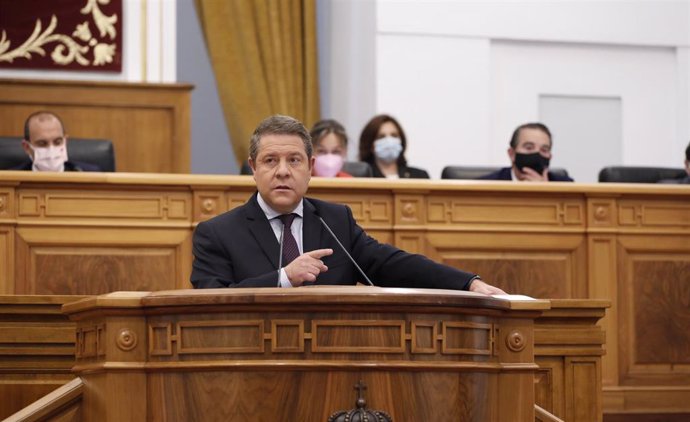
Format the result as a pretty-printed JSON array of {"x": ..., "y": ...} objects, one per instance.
[
  {"x": 178, "y": 352},
  {"x": 295, "y": 354}
]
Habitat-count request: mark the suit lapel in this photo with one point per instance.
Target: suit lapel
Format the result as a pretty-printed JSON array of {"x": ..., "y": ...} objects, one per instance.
[
  {"x": 262, "y": 231},
  {"x": 311, "y": 228}
]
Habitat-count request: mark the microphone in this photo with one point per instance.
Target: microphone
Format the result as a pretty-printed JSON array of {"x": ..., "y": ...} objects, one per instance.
[
  {"x": 280, "y": 255},
  {"x": 343, "y": 248}
]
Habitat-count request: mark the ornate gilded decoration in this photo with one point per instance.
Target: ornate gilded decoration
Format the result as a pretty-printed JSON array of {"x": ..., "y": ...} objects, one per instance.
[{"x": 83, "y": 47}]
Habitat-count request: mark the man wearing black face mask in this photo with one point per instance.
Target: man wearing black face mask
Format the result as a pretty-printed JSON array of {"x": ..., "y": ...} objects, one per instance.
[{"x": 530, "y": 153}]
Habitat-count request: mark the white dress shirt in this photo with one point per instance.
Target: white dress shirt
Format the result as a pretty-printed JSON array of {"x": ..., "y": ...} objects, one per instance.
[{"x": 277, "y": 226}]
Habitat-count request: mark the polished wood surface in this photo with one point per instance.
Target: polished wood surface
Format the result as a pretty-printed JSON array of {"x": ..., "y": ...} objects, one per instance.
[
  {"x": 630, "y": 244},
  {"x": 295, "y": 354},
  {"x": 61, "y": 405},
  {"x": 36, "y": 349},
  {"x": 569, "y": 345},
  {"x": 542, "y": 415},
  {"x": 149, "y": 124},
  {"x": 566, "y": 337}
]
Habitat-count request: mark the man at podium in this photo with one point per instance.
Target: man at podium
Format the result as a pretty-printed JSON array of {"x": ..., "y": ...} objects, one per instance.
[{"x": 280, "y": 238}]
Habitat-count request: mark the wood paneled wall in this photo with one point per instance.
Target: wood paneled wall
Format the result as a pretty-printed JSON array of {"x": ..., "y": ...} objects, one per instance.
[
  {"x": 149, "y": 124},
  {"x": 36, "y": 349},
  {"x": 630, "y": 244}
]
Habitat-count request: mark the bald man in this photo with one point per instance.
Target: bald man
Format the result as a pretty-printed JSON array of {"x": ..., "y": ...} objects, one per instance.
[{"x": 45, "y": 142}]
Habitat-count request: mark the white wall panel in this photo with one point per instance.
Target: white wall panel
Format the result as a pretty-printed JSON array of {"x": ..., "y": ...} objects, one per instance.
[
  {"x": 429, "y": 76},
  {"x": 438, "y": 88},
  {"x": 351, "y": 60},
  {"x": 643, "y": 78},
  {"x": 586, "y": 132},
  {"x": 636, "y": 22}
]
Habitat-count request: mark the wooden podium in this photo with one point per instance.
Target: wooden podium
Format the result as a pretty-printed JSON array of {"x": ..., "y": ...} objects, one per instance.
[{"x": 296, "y": 354}]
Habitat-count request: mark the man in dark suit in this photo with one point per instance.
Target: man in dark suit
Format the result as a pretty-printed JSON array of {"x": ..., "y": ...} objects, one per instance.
[
  {"x": 45, "y": 143},
  {"x": 681, "y": 180},
  {"x": 530, "y": 155},
  {"x": 241, "y": 248}
]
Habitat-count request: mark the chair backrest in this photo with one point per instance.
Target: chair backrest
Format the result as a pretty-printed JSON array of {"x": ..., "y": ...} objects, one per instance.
[
  {"x": 355, "y": 168},
  {"x": 93, "y": 151},
  {"x": 627, "y": 174},
  {"x": 466, "y": 172},
  {"x": 358, "y": 169},
  {"x": 246, "y": 169},
  {"x": 475, "y": 172}
]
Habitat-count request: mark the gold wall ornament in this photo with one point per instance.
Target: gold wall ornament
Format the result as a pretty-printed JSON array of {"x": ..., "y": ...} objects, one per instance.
[
  {"x": 103, "y": 53},
  {"x": 105, "y": 24},
  {"x": 71, "y": 50},
  {"x": 34, "y": 44},
  {"x": 82, "y": 32}
]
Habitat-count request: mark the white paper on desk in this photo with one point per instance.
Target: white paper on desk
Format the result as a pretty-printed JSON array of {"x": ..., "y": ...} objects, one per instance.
[{"x": 513, "y": 297}]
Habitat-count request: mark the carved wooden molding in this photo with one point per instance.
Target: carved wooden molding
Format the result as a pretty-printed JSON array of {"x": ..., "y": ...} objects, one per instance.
[
  {"x": 516, "y": 341},
  {"x": 324, "y": 336},
  {"x": 511, "y": 211},
  {"x": 90, "y": 341},
  {"x": 467, "y": 338},
  {"x": 94, "y": 205},
  {"x": 336, "y": 336},
  {"x": 126, "y": 339}
]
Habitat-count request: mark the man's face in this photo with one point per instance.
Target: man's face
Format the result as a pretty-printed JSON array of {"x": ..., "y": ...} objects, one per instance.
[
  {"x": 282, "y": 171},
  {"x": 530, "y": 141},
  {"x": 44, "y": 133}
]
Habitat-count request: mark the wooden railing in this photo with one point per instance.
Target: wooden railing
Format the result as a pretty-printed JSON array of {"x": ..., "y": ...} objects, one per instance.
[
  {"x": 541, "y": 415},
  {"x": 63, "y": 404}
]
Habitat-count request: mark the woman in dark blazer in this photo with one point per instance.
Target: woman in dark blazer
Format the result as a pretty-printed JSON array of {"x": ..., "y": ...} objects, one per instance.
[{"x": 382, "y": 144}]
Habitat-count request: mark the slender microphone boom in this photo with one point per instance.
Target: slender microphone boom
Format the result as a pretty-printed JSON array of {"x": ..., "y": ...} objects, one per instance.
[
  {"x": 344, "y": 250},
  {"x": 280, "y": 254}
]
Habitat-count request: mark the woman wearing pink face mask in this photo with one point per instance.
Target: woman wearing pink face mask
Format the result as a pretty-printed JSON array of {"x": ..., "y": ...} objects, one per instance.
[{"x": 330, "y": 148}]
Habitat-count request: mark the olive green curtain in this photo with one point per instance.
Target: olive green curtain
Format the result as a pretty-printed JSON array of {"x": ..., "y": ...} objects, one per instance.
[{"x": 264, "y": 58}]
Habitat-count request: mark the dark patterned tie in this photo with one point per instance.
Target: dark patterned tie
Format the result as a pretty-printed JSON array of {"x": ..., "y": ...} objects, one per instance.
[{"x": 290, "y": 249}]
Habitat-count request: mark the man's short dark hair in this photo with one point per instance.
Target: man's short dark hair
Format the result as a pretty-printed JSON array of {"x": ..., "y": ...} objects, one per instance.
[
  {"x": 40, "y": 115},
  {"x": 687, "y": 152},
  {"x": 536, "y": 125},
  {"x": 279, "y": 125}
]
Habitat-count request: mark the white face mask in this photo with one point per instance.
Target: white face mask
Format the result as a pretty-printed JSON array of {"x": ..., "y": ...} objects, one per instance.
[
  {"x": 50, "y": 158},
  {"x": 388, "y": 149}
]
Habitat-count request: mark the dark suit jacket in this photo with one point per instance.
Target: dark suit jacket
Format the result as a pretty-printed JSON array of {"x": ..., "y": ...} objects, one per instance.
[
  {"x": 404, "y": 172},
  {"x": 505, "y": 174},
  {"x": 239, "y": 249},
  {"x": 69, "y": 166}
]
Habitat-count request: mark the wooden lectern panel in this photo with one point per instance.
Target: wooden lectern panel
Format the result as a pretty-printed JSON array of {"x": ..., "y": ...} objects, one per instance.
[
  {"x": 78, "y": 261},
  {"x": 295, "y": 354},
  {"x": 565, "y": 336},
  {"x": 546, "y": 266}
]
